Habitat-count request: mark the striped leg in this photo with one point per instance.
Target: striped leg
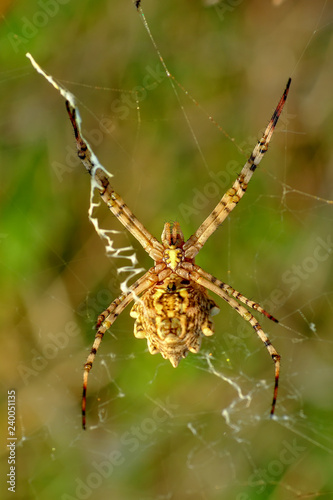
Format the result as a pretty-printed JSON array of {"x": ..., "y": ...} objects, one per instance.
[
  {"x": 106, "y": 319},
  {"x": 115, "y": 203},
  {"x": 233, "y": 293},
  {"x": 236, "y": 192},
  {"x": 224, "y": 291}
]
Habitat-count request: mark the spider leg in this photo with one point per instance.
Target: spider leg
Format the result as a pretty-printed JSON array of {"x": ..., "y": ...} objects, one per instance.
[
  {"x": 236, "y": 192},
  {"x": 227, "y": 293},
  {"x": 106, "y": 319},
  {"x": 231, "y": 292},
  {"x": 115, "y": 203}
]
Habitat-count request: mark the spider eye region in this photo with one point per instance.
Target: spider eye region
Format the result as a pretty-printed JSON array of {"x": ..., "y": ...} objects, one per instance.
[{"x": 173, "y": 257}]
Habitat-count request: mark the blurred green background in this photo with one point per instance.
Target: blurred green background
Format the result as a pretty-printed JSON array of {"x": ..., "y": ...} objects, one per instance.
[{"x": 201, "y": 431}]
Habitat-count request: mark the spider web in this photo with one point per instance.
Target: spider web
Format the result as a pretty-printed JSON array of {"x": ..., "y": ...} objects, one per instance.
[{"x": 172, "y": 111}]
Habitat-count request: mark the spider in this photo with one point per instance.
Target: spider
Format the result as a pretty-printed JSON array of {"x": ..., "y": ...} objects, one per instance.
[{"x": 172, "y": 308}]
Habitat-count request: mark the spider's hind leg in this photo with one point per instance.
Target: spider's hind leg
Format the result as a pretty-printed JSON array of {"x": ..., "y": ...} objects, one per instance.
[
  {"x": 228, "y": 294},
  {"x": 106, "y": 320}
]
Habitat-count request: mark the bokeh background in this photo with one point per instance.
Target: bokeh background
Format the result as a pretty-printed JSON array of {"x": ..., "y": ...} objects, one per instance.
[{"x": 201, "y": 431}]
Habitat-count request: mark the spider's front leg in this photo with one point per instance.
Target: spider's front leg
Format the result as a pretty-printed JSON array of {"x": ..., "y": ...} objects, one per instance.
[
  {"x": 101, "y": 177},
  {"x": 230, "y": 199},
  {"x": 112, "y": 199}
]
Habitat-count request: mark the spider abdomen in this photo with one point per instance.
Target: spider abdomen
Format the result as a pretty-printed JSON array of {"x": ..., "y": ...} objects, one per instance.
[{"x": 173, "y": 316}]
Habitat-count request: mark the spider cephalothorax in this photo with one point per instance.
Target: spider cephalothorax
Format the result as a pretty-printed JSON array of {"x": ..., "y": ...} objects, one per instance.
[
  {"x": 172, "y": 308},
  {"x": 173, "y": 242}
]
